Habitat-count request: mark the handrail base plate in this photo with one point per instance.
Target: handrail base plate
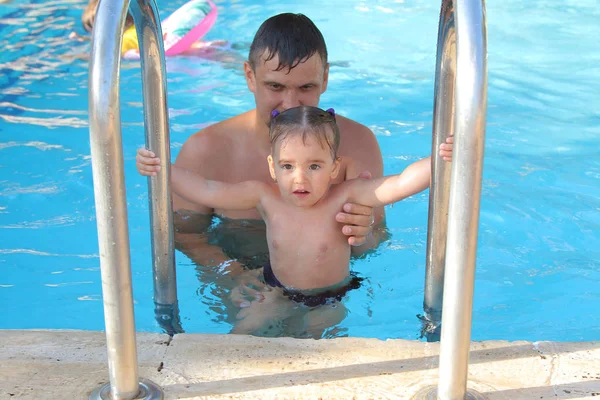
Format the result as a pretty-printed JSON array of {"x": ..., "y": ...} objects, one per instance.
[
  {"x": 431, "y": 393},
  {"x": 148, "y": 391}
]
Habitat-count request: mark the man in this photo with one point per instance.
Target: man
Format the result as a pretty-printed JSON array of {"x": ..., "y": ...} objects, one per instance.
[{"x": 287, "y": 67}]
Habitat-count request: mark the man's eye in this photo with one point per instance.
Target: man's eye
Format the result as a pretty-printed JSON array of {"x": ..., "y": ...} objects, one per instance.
[
  {"x": 307, "y": 87},
  {"x": 315, "y": 167},
  {"x": 275, "y": 86}
]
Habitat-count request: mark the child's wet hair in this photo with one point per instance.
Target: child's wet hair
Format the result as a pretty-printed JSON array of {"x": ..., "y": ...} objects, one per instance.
[{"x": 306, "y": 121}]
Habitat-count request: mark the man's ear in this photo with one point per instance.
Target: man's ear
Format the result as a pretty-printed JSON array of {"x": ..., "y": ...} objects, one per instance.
[
  {"x": 271, "y": 167},
  {"x": 250, "y": 77},
  {"x": 336, "y": 168},
  {"x": 325, "y": 79}
]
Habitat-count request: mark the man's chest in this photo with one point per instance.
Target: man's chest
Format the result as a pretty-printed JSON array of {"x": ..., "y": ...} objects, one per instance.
[{"x": 245, "y": 168}]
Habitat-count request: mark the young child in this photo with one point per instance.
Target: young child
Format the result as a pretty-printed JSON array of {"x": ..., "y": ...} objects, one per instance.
[{"x": 309, "y": 255}]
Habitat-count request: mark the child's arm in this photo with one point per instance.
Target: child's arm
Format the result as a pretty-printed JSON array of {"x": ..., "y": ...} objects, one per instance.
[
  {"x": 389, "y": 189},
  {"x": 232, "y": 196},
  {"x": 386, "y": 190},
  {"x": 195, "y": 188}
]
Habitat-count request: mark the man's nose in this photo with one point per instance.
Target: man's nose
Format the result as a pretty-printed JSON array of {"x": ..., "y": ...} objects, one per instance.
[{"x": 291, "y": 100}]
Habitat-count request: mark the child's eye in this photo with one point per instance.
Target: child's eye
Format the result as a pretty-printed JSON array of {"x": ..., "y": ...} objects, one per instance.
[
  {"x": 315, "y": 167},
  {"x": 286, "y": 166}
]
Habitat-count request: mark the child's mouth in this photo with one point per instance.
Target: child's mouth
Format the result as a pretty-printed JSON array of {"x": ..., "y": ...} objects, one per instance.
[{"x": 301, "y": 193}]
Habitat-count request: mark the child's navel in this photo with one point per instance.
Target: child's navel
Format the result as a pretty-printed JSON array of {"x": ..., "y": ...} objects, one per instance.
[{"x": 323, "y": 248}]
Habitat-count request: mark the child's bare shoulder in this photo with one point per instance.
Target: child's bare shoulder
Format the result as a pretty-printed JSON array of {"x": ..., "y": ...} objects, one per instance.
[{"x": 342, "y": 191}]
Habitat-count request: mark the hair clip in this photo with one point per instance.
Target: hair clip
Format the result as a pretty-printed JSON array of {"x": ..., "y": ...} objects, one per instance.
[
  {"x": 331, "y": 111},
  {"x": 274, "y": 113}
]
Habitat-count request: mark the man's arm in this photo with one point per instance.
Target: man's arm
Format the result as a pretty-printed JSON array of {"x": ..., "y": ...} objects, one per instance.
[
  {"x": 191, "y": 239},
  {"x": 360, "y": 146}
]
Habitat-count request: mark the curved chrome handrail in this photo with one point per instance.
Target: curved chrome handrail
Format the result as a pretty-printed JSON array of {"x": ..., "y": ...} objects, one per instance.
[
  {"x": 109, "y": 185},
  {"x": 439, "y": 191},
  {"x": 460, "y": 109}
]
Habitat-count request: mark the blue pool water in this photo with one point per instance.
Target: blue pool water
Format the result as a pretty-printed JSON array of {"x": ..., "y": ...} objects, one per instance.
[{"x": 538, "y": 265}]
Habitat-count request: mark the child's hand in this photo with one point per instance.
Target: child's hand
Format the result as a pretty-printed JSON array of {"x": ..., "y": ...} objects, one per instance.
[
  {"x": 147, "y": 163},
  {"x": 446, "y": 149}
]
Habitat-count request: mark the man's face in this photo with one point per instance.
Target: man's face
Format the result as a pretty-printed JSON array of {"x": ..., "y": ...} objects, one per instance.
[
  {"x": 283, "y": 89},
  {"x": 303, "y": 169}
]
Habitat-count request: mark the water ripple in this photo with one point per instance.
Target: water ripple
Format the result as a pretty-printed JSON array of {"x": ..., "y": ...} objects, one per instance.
[
  {"x": 44, "y": 253},
  {"x": 47, "y": 111},
  {"x": 39, "y": 145},
  {"x": 68, "y": 284},
  {"x": 54, "y": 122},
  {"x": 40, "y": 189},
  {"x": 65, "y": 220}
]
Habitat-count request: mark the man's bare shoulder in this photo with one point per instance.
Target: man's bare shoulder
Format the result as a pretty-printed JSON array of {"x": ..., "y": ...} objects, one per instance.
[
  {"x": 353, "y": 130},
  {"x": 219, "y": 134},
  {"x": 356, "y": 139},
  {"x": 213, "y": 141},
  {"x": 358, "y": 143},
  {"x": 359, "y": 149}
]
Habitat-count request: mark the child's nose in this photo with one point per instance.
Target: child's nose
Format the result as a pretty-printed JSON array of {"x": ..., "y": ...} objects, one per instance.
[{"x": 299, "y": 176}]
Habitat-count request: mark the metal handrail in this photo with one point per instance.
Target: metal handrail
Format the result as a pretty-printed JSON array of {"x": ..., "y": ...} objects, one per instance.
[
  {"x": 156, "y": 129},
  {"x": 439, "y": 191},
  {"x": 459, "y": 108},
  {"x": 109, "y": 186}
]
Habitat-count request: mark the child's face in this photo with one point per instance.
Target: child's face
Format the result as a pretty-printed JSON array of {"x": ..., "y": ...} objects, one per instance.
[{"x": 303, "y": 170}]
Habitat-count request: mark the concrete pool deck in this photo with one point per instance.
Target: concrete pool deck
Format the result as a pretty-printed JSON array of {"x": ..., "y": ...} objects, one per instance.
[{"x": 69, "y": 364}]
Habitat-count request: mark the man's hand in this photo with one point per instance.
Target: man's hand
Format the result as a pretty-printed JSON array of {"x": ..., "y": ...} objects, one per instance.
[
  {"x": 447, "y": 148},
  {"x": 358, "y": 220},
  {"x": 147, "y": 163}
]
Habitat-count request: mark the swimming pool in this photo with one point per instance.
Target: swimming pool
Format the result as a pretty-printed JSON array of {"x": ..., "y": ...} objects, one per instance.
[{"x": 538, "y": 260}]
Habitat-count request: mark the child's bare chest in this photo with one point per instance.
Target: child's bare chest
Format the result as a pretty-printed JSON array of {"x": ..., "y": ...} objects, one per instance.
[
  {"x": 304, "y": 231},
  {"x": 307, "y": 247}
]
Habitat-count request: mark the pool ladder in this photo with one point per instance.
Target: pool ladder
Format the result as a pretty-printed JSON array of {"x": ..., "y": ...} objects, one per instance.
[{"x": 453, "y": 208}]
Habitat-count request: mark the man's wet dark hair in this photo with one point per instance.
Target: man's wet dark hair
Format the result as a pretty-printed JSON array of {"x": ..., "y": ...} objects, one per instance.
[
  {"x": 294, "y": 38},
  {"x": 306, "y": 121}
]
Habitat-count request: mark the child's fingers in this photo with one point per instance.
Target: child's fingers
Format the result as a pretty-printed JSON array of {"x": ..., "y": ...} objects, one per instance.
[
  {"x": 446, "y": 149},
  {"x": 142, "y": 159},
  {"x": 445, "y": 153},
  {"x": 145, "y": 152},
  {"x": 146, "y": 162},
  {"x": 147, "y": 170},
  {"x": 447, "y": 146}
]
